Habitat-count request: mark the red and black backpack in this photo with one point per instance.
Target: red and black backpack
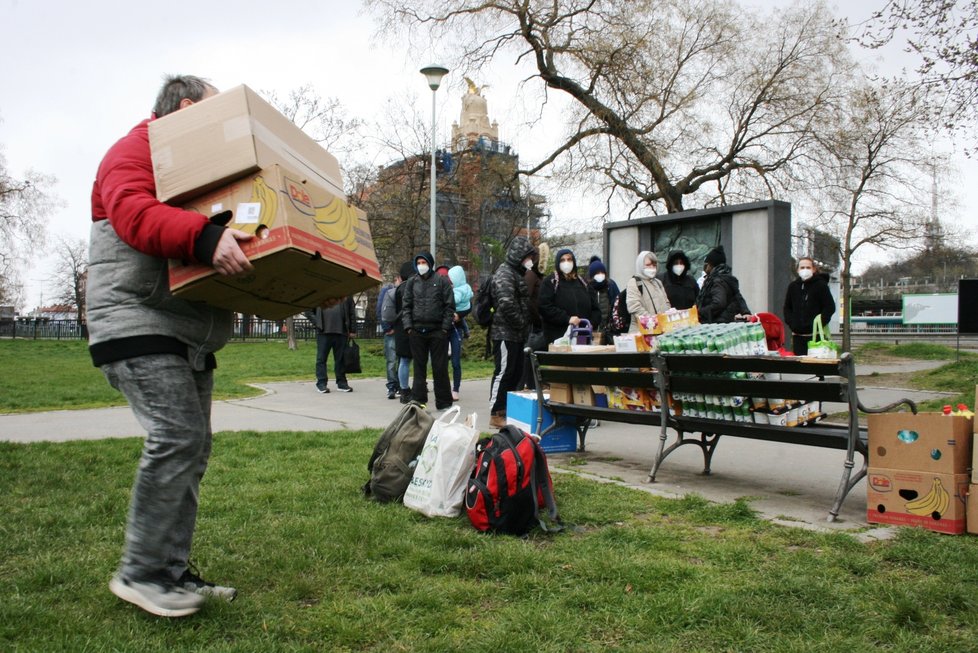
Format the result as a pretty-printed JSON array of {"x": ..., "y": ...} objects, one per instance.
[{"x": 510, "y": 484}]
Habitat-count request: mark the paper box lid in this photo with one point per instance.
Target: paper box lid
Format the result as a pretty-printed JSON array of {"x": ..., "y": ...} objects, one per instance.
[{"x": 227, "y": 136}]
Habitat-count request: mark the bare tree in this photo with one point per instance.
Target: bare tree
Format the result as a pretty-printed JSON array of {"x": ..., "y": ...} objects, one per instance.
[
  {"x": 944, "y": 35},
  {"x": 25, "y": 203},
  {"x": 676, "y": 98},
  {"x": 872, "y": 184},
  {"x": 70, "y": 275}
]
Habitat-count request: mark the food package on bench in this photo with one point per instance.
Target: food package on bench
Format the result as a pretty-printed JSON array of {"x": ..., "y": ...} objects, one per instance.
[
  {"x": 637, "y": 399},
  {"x": 310, "y": 246},
  {"x": 635, "y": 342},
  {"x": 926, "y": 442},
  {"x": 676, "y": 319},
  {"x": 917, "y": 498},
  {"x": 228, "y": 136}
]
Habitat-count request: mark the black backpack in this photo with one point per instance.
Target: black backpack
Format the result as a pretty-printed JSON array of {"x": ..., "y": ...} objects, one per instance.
[
  {"x": 621, "y": 319},
  {"x": 484, "y": 305},
  {"x": 399, "y": 445}
]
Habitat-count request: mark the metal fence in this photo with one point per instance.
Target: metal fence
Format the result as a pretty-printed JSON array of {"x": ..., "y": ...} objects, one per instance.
[{"x": 243, "y": 329}]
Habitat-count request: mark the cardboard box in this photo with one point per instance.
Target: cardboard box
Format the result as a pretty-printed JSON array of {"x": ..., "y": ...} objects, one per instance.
[
  {"x": 926, "y": 442},
  {"x": 561, "y": 393},
  {"x": 228, "y": 136},
  {"x": 522, "y": 409},
  {"x": 971, "y": 521},
  {"x": 923, "y": 499},
  {"x": 583, "y": 394},
  {"x": 312, "y": 247}
]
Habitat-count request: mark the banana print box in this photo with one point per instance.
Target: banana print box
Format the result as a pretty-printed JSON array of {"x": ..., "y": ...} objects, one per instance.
[
  {"x": 310, "y": 246},
  {"x": 936, "y": 502},
  {"x": 926, "y": 442}
]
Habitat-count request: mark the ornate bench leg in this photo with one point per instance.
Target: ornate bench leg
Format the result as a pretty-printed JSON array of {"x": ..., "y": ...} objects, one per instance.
[
  {"x": 708, "y": 444},
  {"x": 660, "y": 454},
  {"x": 583, "y": 423}
]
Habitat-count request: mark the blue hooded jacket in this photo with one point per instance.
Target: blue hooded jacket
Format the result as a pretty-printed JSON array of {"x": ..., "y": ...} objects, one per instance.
[{"x": 463, "y": 291}]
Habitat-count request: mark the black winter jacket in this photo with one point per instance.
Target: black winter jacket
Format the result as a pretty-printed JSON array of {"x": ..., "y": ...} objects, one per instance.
[
  {"x": 806, "y": 299},
  {"x": 681, "y": 290},
  {"x": 720, "y": 299},
  {"x": 428, "y": 303},
  {"x": 510, "y": 295},
  {"x": 560, "y": 298}
]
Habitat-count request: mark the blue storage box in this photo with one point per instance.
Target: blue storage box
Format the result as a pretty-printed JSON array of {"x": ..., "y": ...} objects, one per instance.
[{"x": 521, "y": 412}]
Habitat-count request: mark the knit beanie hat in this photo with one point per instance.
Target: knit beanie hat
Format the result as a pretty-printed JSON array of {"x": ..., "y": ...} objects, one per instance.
[
  {"x": 595, "y": 267},
  {"x": 716, "y": 256}
]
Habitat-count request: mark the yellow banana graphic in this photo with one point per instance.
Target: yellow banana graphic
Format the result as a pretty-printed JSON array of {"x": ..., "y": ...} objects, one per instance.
[
  {"x": 935, "y": 501},
  {"x": 267, "y": 198},
  {"x": 337, "y": 222}
]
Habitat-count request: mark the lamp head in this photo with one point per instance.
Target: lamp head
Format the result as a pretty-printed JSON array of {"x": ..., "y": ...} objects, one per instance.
[{"x": 434, "y": 73}]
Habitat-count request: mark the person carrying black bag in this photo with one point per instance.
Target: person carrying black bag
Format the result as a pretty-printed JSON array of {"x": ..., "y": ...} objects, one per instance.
[{"x": 333, "y": 328}]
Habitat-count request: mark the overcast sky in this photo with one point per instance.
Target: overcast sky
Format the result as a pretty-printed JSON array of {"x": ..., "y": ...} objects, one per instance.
[{"x": 78, "y": 75}]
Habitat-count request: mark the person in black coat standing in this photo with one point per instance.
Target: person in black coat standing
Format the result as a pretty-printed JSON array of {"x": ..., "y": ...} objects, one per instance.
[
  {"x": 719, "y": 299},
  {"x": 428, "y": 310},
  {"x": 565, "y": 299},
  {"x": 808, "y": 297},
  {"x": 681, "y": 288}
]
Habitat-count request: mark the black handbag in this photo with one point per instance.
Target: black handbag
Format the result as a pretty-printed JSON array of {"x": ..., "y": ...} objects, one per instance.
[{"x": 351, "y": 357}]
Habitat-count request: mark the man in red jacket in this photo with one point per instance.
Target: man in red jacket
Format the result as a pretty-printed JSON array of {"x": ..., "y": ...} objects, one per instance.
[{"x": 158, "y": 350}]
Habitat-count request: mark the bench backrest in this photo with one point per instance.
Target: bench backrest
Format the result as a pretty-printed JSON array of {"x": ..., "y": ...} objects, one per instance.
[
  {"x": 634, "y": 370},
  {"x": 828, "y": 380}
]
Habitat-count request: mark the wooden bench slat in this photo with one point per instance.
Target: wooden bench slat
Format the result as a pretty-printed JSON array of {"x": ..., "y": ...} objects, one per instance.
[
  {"x": 611, "y": 414},
  {"x": 676, "y": 363},
  {"x": 800, "y": 390},
  {"x": 599, "y": 377}
]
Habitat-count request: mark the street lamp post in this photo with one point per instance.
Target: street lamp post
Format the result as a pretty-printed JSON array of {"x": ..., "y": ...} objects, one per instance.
[{"x": 434, "y": 74}]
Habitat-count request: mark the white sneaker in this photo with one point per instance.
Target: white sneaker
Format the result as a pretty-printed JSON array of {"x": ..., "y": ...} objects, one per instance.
[{"x": 157, "y": 596}]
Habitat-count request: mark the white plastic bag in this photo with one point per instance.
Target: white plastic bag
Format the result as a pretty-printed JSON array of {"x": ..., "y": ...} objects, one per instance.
[{"x": 437, "y": 488}]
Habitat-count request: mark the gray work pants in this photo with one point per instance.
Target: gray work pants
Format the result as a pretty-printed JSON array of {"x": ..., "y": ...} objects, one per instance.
[{"x": 172, "y": 402}]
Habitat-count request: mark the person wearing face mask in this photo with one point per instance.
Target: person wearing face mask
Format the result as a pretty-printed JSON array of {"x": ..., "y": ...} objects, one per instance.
[
  {"x": 719, "y": 299},
  {"x": 535, "y": 340},
  {"x": 510, "y": 325},
  {"x": 428, "y": 311},
  {"x": 565, "y": 299},
  {"x": 808, "y": 296},
  {"x": 644, "y": 293},
  {"x": 605, "y": 289},
  {"x": 681, "y": 287}
]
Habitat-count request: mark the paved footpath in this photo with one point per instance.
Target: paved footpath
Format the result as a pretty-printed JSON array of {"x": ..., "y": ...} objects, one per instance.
[{"x": 786, "y": 482}]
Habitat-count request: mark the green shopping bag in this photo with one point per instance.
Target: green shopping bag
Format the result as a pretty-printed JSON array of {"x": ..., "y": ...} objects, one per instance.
[{"x": 820, "y": 346}]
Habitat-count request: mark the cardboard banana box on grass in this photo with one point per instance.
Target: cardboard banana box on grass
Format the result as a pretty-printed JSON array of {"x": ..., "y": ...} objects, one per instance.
[
  {"x": 309, "y": 246},
  {"x": 937, "y": 502}
]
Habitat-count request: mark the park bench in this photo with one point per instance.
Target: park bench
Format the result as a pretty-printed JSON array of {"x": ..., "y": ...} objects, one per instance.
[{"x": 671, "y": 375}]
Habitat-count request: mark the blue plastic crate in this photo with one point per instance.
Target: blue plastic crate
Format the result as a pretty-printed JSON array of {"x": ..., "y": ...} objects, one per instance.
[{"x": 521, "y": 411}]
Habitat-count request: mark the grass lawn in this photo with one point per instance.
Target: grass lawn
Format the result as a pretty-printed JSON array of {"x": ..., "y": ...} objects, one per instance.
[
  {"x": 58, "y": 374},
  {"x": 320, "y": 569},
  {"x": 959, "y": 375}
]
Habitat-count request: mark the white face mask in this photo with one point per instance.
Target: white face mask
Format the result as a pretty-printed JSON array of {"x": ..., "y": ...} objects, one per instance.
[
  {"x": 567, "y": 267},
  {"x": 599, "y": 278},
  {"x": 678, "y": 270},
  {"x": 650, "y": 272},
  {"x": 805, "y": 274},
  {"x": 528, "y": 264},
  {"x": 423, "y": 269}
]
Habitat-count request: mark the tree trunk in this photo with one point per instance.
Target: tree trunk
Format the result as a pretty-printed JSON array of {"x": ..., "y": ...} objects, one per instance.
[{"x": 290, "y": 333}]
